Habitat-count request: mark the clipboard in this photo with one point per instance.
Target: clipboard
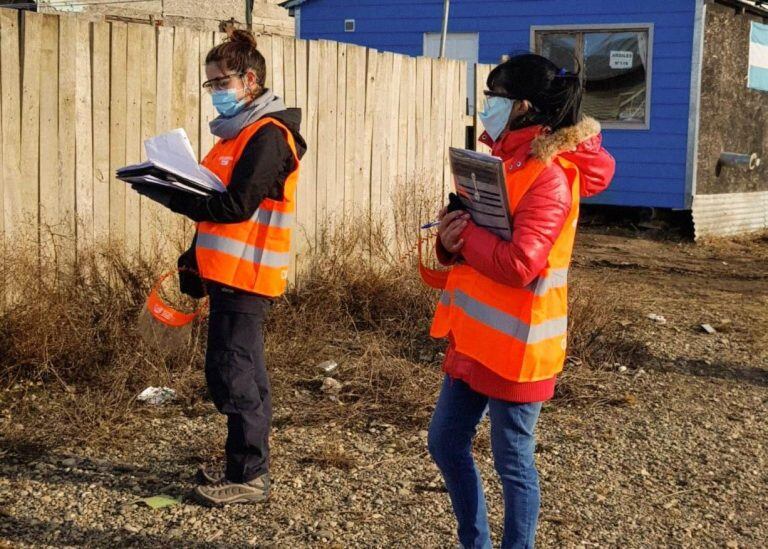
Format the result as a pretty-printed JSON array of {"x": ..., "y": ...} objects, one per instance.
[
  {"x": 481, "y": 184},
  {"x": 171, "y": 163}
]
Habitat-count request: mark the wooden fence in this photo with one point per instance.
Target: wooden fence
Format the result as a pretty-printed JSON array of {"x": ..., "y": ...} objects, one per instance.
[{"x": 79, "y": 98}]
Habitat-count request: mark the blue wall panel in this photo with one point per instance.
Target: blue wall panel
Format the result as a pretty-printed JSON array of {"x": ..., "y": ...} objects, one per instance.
[{"x": 651, "y": 163}]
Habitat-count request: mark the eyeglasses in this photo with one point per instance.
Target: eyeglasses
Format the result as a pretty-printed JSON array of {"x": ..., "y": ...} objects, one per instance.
[
  {"x": 489, "y": 93},
  {"x": 220, "y": 83}
]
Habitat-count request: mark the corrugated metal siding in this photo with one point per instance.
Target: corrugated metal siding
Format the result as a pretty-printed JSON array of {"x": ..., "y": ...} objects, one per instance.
[
  {"x": 651, "y": 164},
  {"x": 729, "y": 214}
]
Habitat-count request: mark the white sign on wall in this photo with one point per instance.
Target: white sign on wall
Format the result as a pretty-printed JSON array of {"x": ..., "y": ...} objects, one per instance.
[{"x": 621, "y": 59}]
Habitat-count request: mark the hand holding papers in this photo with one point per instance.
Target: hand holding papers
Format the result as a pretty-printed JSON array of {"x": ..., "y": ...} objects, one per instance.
[
  {"x": 171, "y": 165},
  {"x": 481, "y": 185}
]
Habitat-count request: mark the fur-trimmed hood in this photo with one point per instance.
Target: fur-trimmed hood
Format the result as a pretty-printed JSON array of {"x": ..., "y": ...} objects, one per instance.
[
  {"x": 581, "y": 145},
  {"x": 546, "y": 146}
]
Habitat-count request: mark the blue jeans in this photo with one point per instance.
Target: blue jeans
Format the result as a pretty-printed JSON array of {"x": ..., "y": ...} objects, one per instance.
[{"x": 454, "y": 424}]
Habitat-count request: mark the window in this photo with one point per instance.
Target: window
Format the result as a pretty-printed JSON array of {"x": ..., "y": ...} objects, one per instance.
[
  {"x": 616, "y": 61},
  {"x": 349, "y": 25},
  {"x": 464, "y": 46}
]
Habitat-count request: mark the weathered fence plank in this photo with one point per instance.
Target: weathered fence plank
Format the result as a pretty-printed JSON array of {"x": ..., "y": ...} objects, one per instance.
[
  {"x": 336, "y": 205},
  {"x": 49, "y": 137},
  {"x": 304, "y": 234},
  {"x": 100, "y": 54},
  {"x": 84, "y": 139},
  {"x": 12, "y": 196},
  {"x": 67, "y": 121},
  {"x": 28, "y": 209},
  {"x": 117, "y": 118},
  {"x": 150, "y": 210},
  {"x": 133, "y": 141},
  {"x": 168, "y": 225},
  {"x": 355, "y": 185}
]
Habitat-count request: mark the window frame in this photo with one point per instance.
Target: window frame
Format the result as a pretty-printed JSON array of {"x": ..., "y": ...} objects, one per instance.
[{"x": 539, "y": 30}]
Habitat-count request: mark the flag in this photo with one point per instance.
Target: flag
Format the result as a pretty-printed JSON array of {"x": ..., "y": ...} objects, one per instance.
[{"x": 758, "y": 57}]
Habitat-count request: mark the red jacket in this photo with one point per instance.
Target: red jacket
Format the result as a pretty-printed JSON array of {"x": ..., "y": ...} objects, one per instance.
[{"x": 536, "y": 225}]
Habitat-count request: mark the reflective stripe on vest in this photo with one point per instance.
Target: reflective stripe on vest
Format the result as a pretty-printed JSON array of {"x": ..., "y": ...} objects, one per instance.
[
  {"x": 241, "y": 250},
  {"x": 503, "y": 322},
  {"x": 253, "y": 255},
  {"x": 555, "y": 278},
  {"x": 273, "y": 218}
]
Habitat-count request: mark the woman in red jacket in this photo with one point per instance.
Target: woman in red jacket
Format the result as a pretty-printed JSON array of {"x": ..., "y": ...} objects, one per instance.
[{"x": 504, "y": 307}]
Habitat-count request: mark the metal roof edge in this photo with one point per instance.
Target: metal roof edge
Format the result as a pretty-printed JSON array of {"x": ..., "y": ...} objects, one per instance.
[{"x": 755, "y": 7}]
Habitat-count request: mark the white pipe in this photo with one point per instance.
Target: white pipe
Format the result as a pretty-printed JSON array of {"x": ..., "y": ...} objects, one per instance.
[{"x": 444, "y": 35}]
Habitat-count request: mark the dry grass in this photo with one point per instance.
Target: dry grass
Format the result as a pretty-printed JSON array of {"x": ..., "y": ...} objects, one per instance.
[
  {"x": 72, "y": 359},
  {"x": 594, "y": 341},
  {"x": 361, "y": 305}
]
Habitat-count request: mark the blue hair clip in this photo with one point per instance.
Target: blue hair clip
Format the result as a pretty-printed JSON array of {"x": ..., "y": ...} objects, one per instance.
[{"x": 562, "y": 72}]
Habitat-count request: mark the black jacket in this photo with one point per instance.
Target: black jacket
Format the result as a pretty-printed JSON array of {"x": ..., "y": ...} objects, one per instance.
[{"x": 259, "y": 173}]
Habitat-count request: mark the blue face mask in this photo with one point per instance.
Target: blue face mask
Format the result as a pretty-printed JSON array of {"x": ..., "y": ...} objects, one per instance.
[
  {"x": 226, "y": 103},
  {"x": 496, "y": 115}
]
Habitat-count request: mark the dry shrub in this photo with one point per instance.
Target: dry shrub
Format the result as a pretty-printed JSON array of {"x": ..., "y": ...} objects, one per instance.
[
  {"x": 73, "y": 361},
  {"x": 361, "y": 305},
  {"x": 595, "y": 340},
  {"x": 71, "y": 357},
  {"x": 592, "y": 323}
]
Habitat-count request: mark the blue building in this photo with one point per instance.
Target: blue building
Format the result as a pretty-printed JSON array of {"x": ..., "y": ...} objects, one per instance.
[{"x": 644, "y": 62}]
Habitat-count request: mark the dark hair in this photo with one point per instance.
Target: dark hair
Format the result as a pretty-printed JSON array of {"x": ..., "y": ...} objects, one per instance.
[
  {"x": 554, "y": 93},
  {"x": 239, "y": 53}
]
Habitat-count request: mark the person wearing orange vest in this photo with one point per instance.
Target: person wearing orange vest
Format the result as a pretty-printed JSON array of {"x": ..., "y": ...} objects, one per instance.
[
  {"x": 241, "y": 251},
  {"x": 503, "y": 306}
]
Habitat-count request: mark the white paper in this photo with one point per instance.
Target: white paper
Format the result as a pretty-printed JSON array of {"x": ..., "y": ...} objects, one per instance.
[
  {"x": 621, "y": 59},
  {"x": 173, "y": 153}
]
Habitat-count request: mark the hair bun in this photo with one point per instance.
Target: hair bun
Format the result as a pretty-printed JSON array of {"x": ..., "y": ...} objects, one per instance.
[{"x": 242, "y": 36}]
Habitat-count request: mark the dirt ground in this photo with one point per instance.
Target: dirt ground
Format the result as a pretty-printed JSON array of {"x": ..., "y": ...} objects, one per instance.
[{"x": 668, "y": 451}]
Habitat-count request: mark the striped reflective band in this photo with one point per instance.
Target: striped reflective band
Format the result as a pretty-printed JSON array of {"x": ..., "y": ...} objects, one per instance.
[
  {"x": 273, "y": 218},
  {"x": 556, "y": 278},
  {"x": 503, "y": 322},
  {"x": 244, "y": 251}
]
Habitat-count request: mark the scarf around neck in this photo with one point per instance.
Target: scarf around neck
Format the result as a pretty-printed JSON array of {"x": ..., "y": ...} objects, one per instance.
[{"x": 229, "y": 127}]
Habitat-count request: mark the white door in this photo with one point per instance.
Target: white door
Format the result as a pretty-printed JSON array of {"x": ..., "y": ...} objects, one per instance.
[{"x": 464, "y": 46}]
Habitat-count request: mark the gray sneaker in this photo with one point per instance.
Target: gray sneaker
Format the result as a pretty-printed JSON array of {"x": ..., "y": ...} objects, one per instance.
[
  {"x": 225, "y": 492},
  {"x": 211, "y": 474}
]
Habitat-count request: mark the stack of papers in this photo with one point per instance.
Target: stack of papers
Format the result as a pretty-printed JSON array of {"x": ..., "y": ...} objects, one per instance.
[{"x": 171, "y": 163}]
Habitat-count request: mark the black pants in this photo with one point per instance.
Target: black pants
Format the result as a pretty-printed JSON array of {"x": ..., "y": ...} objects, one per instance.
[{"x": 237, "y": 378}]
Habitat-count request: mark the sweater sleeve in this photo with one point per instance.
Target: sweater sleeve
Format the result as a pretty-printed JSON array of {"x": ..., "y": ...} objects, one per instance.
[
  {"x": 260, "y": 173},
  {"x": 536, "y": 225}
]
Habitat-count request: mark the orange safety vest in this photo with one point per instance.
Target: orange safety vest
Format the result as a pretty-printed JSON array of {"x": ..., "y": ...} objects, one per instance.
[
  {"x": 253, "y": 255},
  {"x": 518, "y": 333}
]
